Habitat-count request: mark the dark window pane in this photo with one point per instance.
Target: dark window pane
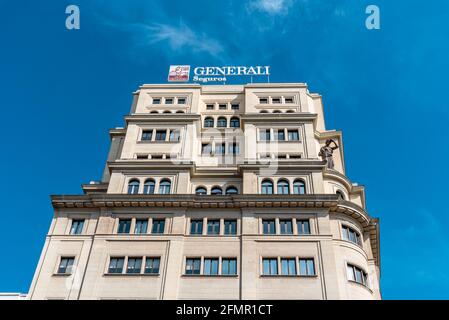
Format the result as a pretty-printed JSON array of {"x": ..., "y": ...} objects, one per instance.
[
  {"x": 124, "y": 226},
  {"x": 158, "y": 226},
  {"x": 196, "y": 227}
]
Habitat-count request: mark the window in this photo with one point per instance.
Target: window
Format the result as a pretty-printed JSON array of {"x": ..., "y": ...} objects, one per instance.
[
  {"x": 286, "y": 226},
  {"x": 161, "y": 135},
  {"x": 290, "y": 111},
  {"x": 222, "y": 106},
  {"x": 269, "y": 226},
  {"x": 280, "y": 135},
  {"x": 156, "y": 100},
  {"x": 231, "y": 190},
  {"x": 210, "y": 107},
  {"x": 154, "y": 111},
  {"x": 229, "y": 266},
  {"x": 164, "y": 186},
  {"x": 174, "y": 135},
  {"x": 263, "y": 111},
  {"x": 356, "y": 274},
  {"x": 220, "y": 148},
  {"x": 213, "y": 227},
  {"x": 116, "y": 265},
  {"x": 124, "y": 225},
  {"x": 216, "y": 190},
  {"x": 351, "y": 235},
  {"x": 230, "y": 227},
  {"x": 277, "y": 111},
  {"x": 265, "y": 134},
  {"x": 299, "y": 187},
  {"x": 233, "y": 148},
  {"x": 209, "y": 122},
  {"x": 288, "y": 99},
  {"x": 158, "y": 226},
  {"x": 270, "y": 266},
  {"x": 293, "y": 135},
  {"x": 156, "y": 156},
  {"x": 276, "y": 100},
  {"x": 134, "y": 265},
  {"x": 211, "y": 266},
  {"x": 206, "y": 149},
  {"x": 167, "y": 111},
  {"x": 340, "y": 195},
  {"x": 168, "y": 100},
  {"x": 180, "y": 111},
  {"x": 148, "y": 186},
  {"x": 152, "y": 265},
  {"x": 306, "y": 267},
  {"x": 303, "y": 226},
  {"x": 141, "y": 156},
  {"x": 65, "y": 265},
  {"x": 295, "y": 156},
  {"x": 263, "y": 100},
  {"x": 222, "y": 122},
  {"x": 288, "y": 267},
  {"x": 235, "y": 106},
  {"x": 141, "y": 226},
  {"x": 193, "y": 266},
  {"x": 201, "y": 191},
  {"x": 133, "y": 186},
  {"x": 196, "y": 227},
  {"x": 77, "y": 226},
  {"x": 267, "y": 187},
  {"x": 235, "y": 122},
  {"x": 283, "y": 187},
  {"x": 182, "y": 100},
  {"x": 147, "y": 135}
]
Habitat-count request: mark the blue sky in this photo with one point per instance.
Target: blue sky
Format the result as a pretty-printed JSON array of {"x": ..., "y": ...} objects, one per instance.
[{"x": 385, "y": 89}]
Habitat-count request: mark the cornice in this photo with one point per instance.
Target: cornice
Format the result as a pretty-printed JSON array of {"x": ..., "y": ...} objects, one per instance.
[
  {"x": 164, "y": 117},
  {"x": 285, "y": 117}
]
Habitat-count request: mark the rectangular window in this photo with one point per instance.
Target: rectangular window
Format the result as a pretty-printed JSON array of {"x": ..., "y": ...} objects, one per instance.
[
  {"x": 263, "y": 100},
  {"x": 288, "y": 99},
  {"x": 77, "y": 226},
  {"x": 147, "y": 135},
  {"x": 303, "y": 226},
  {"x": 168, "y": 100},
  {"x": 265, "y": 135},
  {"x": 152, "y": 265},
  {"x": 269, "y": 227},
  {"x": 288, "y": 267},
  {"x": 222, "y": 106},
  {"x": 124, "y": 225},
  {"x": 141, "y": 156},
  {"x": 65, "y": 265},
  {"x": 116, "y": 265},
  {"x": 196, "y": 227},
  {"x": 156, "y": 100},
  {"x": 141, "y": 226},
  {"x": 229, "y": 266},
  {"x": 182, "y": 100},
  {"x": 306, "y": 267},
  {"x": 158, "y": 226},
  {"x": 210, "y": 107},
  {"x": 134, "y": 265},
  {"x": 286, "y": 226},
  {"x": 270, "y": 266},
  {"x": 206, "y": 148},
  {"x": 295, "y": 156},
  {"x": 234, "y": 148},
  {"x": 234, "y": 106},
  {"x": 276, "y": 100},
  {"x": 211, "y": 266},
  {"x": 220, "y": 148},
  {"x": 174, "y": 135},
  {"x": 161, "y": 135},
  {"x": 230, "y": 227},
  {"x": 280, "y": 135},
  {"x": 293, "y": 135},
  {"x": 193, "y": 266},
  {"x": 213, "y": 226}
]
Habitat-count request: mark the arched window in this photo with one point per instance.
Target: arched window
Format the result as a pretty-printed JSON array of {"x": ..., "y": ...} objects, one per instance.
[
  {"x": 222, "y": 122},
  {"x": 340, "y": 194},
  {"x": 167, "y": 111},
  {"x": 133, "y": 186},
  {"x": 231, "y": 190},
  {"x": 216, "y": 190},
  {"x": 180, "y": 111},
  {"x": 235, "y": 122},
  {"x": 164, "y": 186},
  {"x": 277, "y": 111},
  {"x": 283, "y": 187},
  {"x": 209, "y": 122},
  {"x": 148, "y": 186},
  {"x": 290, "y": 111},
  {"x": 299, "y": 187},
  {"x": 201, "y": 190},
  {"x": 154, "y": 111},
  {"x": 263, "y": 111},
  {"x": 267, "y": 186}
]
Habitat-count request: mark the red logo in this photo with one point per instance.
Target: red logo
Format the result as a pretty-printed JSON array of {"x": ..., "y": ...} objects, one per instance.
[{"x": 179, "y": 73}]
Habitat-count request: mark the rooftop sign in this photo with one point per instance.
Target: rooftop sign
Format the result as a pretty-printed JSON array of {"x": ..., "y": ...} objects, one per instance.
[{"x": 214, "y": 74}]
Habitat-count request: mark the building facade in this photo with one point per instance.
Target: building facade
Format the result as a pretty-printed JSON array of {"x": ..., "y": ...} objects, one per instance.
[{"x": 215, "y": 192}]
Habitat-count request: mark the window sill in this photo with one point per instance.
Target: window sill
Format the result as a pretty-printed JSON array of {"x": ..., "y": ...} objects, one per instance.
[
  {"x": 62, "y": 274},
  {"x": 288, "y": 276},
  {"x": 210, "y": 276},
  {"x": 156, "y": 141},
  {"x": 360, "y": 285},
  {"x": 131, "y": 274}
]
